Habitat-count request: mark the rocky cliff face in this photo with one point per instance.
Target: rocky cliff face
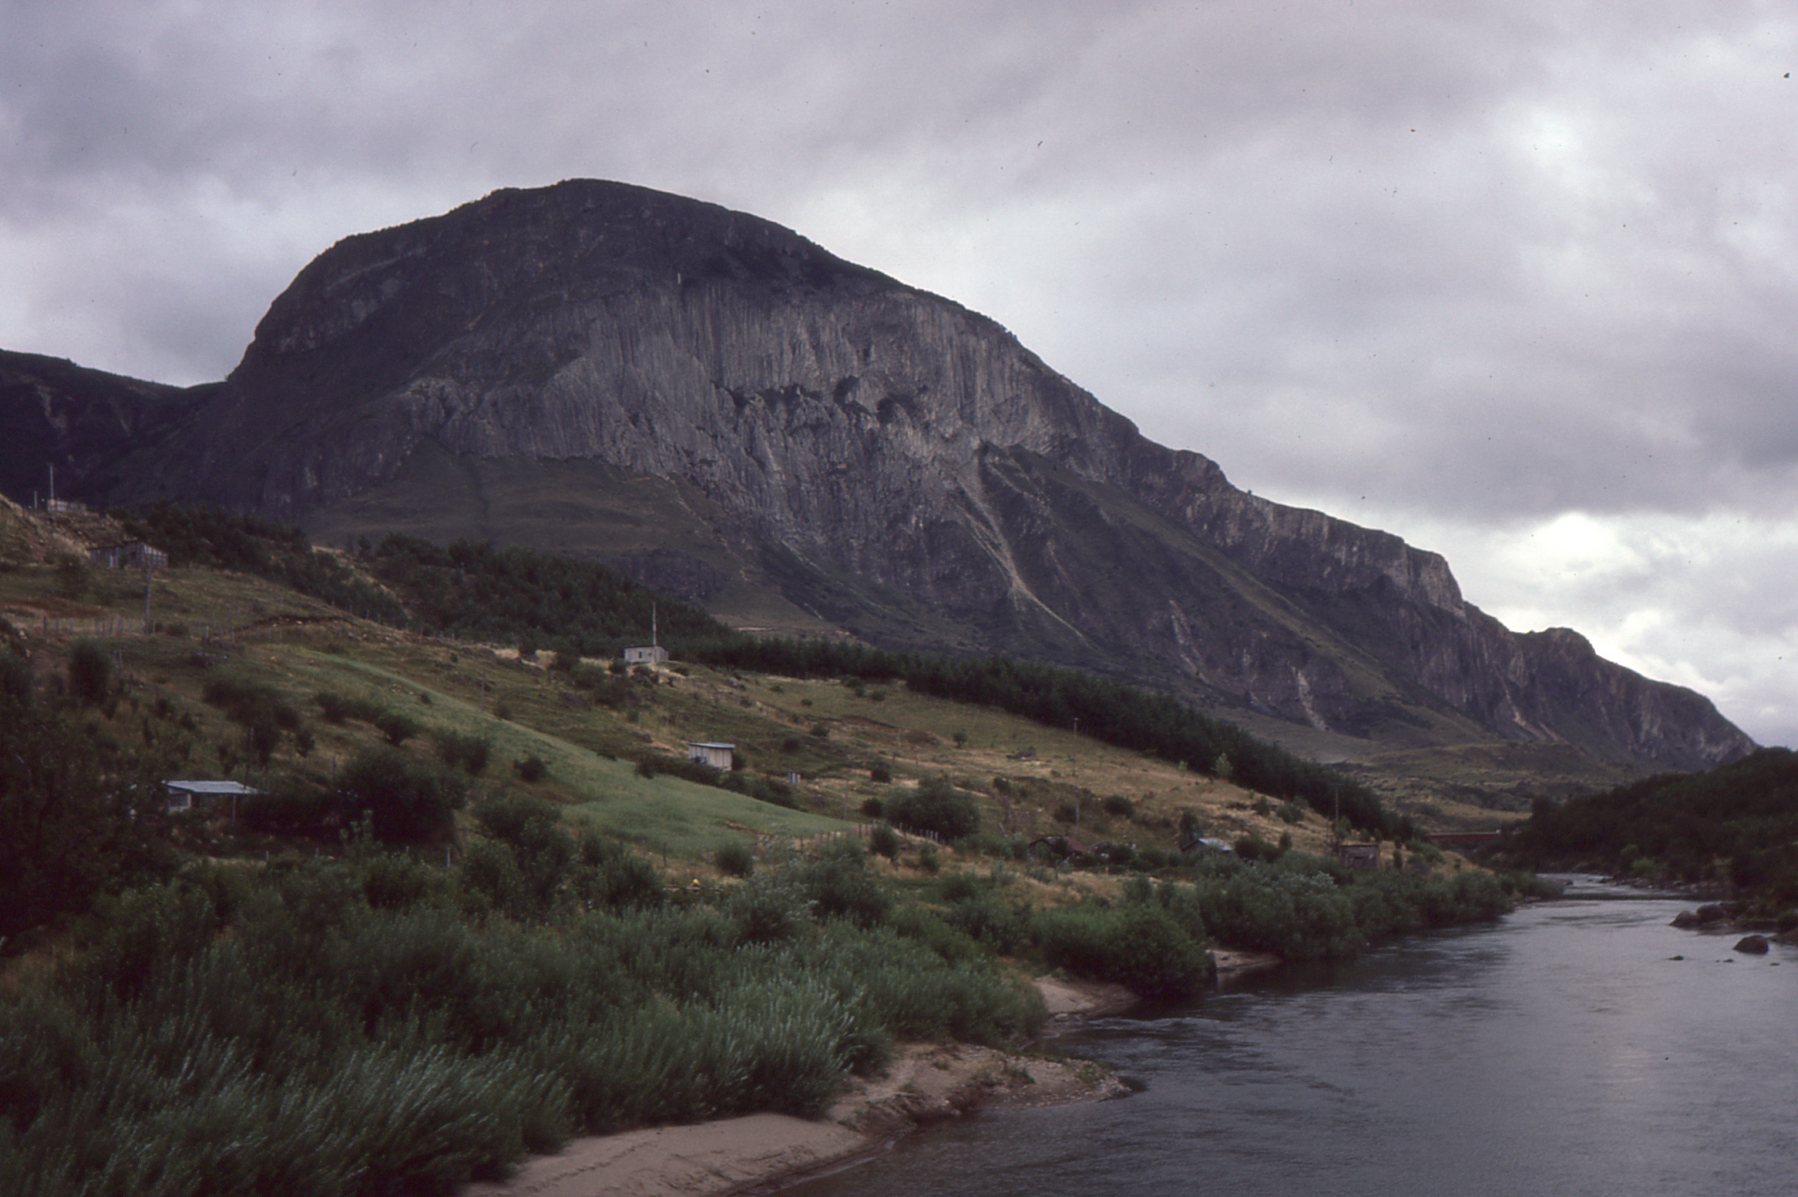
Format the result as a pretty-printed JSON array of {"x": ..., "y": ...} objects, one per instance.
[{"x": 872, "y": 447}]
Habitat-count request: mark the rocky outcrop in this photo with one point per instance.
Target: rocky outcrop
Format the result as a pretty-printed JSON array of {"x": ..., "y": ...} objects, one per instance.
[{"x": 889, "y": 460}]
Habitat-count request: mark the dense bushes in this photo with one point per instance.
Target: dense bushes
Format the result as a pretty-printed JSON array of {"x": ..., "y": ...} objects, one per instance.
[
  {"x": 1141, "y": 945},
  {"x": 513, "y": 595},
  {"x": 1305, "y": 908},
  {"x": 408, "y": 802},
  {"x": 328, "y": 1028},
  {"x": 1737, "y": 824},
  {"x": 68, "y": 830},
  {"x": 90, "y": 672},
  {"x": 934, "y": 808}
]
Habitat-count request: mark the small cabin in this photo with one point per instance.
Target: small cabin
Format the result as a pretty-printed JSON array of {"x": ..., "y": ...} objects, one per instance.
[
  {"x": 190, "y": 795},
  {"x": 646, "y": 654},
  {"x": 1360, "y": 856},
  {"x": 718, "y": 756},
  {"x": 129, "y": 555}
]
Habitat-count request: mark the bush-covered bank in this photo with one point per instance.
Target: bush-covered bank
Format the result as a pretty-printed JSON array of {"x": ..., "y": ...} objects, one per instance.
[
  {"x": 1733, "y": 828},
  {"x": 377, "y": 1025},
  {"x": 1154, "y": 940}
]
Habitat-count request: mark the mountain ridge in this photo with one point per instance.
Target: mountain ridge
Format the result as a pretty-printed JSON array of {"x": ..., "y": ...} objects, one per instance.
[{"x": 870, "y": 455}]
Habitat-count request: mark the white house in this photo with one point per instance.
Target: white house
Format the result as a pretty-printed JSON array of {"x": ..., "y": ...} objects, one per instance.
[
  {"x": 186, "y": 795},
  {"x": 646, "y": 654}
]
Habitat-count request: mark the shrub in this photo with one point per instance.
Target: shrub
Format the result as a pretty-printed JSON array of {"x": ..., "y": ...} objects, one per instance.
[
  {"x": 533, "y": 768},
  {"x": 735, "y": 859},
  {"x": 1119, "y": 806},
  {"x": 1139, "y": 945},
  {"x": 334, "y": 707},
  {"x": 880, "y": 771},
  {"x": 840, "y": 886},
  {"x": 884, "y": 841},
  {"x": 1291, "y": 908},
  {"x": 16, "y": 682},
  {"x": 292, "y": 810},
  {"x": 395, "y": 881},
  {"x": 408, "y": 802},
  {"x": 762, "y": 789},
  {"x": 1253, "y": 847},
  {"x": 469, "y": 752},
  {"x": 396, "y": 727},
  {"x": 90, "y": 672},
  {"x": 489, "y": 873},
  {"x": 608, "y": 876},
  {"x": 991, "y": 920},
  {"x": 936, "y": 808},
  {"x": 768, "y": 908}
]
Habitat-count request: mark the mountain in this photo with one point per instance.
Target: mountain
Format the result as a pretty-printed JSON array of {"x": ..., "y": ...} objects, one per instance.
[
  {"x": 92, "y": 428},
  {"x": 732, "y": 413}
]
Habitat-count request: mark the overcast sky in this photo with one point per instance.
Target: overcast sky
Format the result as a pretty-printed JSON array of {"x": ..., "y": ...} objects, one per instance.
[{"x": 1515, "y": 280}]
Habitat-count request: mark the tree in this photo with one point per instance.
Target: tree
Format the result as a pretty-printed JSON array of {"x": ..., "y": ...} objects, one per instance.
[
  {"x": 409, "y": 802},
  {"x": 67, "y": 828},
  {"x": 937, "y": 808},
  {"x": 90, "y": 672}
]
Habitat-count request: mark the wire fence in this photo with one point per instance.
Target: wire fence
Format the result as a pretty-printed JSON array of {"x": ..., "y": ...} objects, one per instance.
[
  {"x": 772, "y": 845},
  {"x": 109, "y": 627}
]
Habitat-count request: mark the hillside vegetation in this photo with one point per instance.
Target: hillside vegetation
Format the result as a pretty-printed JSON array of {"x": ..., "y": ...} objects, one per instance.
[
  {"x": 482, "y": 901},
  {"x": 1733, "y": 828}
]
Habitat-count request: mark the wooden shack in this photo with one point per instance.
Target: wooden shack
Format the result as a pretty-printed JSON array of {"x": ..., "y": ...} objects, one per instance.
[{"x": 717, "y": 755}]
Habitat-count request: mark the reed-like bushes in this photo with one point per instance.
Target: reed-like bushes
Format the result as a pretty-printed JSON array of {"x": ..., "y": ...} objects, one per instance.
[
  {"x": 1304, "y": 908},
  {"x": 367, "y": 1026}
]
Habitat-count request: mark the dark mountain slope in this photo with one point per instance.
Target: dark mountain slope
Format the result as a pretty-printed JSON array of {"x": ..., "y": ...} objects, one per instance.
[
  {"x": 886, "y": 460},
  {"x": 91, "y": 426}
]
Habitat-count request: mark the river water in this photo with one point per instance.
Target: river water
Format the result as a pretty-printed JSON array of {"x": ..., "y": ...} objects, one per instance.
[{"x": 1561, "y": 1051}]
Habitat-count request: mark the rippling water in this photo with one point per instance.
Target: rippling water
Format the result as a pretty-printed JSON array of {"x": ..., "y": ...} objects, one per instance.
[{"x": 1561, "y": 1051}]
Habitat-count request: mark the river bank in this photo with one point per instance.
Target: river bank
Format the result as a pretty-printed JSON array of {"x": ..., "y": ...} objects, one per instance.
[
  {"x": 926, "y": 1083},
  {"x": 1572, "y": 1047}
]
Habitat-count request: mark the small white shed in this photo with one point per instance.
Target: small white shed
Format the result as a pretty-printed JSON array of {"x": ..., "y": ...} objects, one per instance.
[
  {"x": 186, "y": 795},
  {"x": 718, "y": 756}
]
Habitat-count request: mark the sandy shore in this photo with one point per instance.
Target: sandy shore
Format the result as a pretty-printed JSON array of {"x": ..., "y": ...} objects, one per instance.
[{"x": 926, "y": 1083}]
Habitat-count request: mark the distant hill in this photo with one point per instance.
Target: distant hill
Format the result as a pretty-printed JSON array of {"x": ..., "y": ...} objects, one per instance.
[{"x": 728, "y": 412}]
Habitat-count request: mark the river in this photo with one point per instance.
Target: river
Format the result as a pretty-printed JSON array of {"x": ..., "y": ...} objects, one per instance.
[{"x": 1561, "y": 1051}]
